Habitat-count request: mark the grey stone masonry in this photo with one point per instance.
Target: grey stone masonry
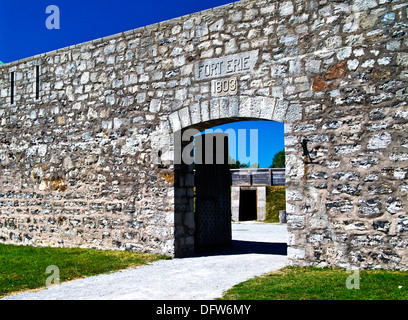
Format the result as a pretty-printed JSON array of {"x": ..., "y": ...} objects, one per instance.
[{"x": 79, "y": 154}]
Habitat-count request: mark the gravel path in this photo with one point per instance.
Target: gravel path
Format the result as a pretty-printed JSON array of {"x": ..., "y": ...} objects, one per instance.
[{"x": 257, "y": 249}]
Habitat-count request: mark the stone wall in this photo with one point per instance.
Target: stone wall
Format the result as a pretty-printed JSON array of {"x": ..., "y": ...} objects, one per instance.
[{"x": 79, "y": 147}]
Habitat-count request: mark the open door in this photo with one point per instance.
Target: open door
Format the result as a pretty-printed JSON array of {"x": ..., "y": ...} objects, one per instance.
[{"x": 213, "y": 193}]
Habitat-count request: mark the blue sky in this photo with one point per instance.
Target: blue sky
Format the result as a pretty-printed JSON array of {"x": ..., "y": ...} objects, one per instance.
[
  {"x": 23, "y": 33},
  {"x": 269, "y": 138}
]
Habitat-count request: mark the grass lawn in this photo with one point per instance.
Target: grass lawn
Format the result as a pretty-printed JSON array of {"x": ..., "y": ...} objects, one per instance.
[
  {"x": 292, "y": 283},
  {"x": 275, "y": 201},
  {"x": 23, "y": 268}
]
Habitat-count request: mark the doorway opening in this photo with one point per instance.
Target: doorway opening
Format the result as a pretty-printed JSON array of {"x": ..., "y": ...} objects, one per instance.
[
  {"x": 248, "y": 209},
  {"x": 207, "y": 195}
]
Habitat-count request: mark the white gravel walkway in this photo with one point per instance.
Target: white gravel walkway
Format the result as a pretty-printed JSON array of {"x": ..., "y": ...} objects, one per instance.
[{"x": 257, "y": 249}]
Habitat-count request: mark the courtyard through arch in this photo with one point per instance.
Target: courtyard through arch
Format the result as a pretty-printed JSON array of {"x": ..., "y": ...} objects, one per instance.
[{"x": 211, "y": 176}]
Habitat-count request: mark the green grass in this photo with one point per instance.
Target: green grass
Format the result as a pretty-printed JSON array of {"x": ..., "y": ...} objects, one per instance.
[
  {"x": 24, "y": 267},
  {"x": 275, "y": 201},
  {"x": 292, "y": 283}
]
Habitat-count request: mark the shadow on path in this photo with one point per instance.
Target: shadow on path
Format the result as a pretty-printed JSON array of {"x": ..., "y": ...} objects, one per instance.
[{"x": 246, "y": 247}]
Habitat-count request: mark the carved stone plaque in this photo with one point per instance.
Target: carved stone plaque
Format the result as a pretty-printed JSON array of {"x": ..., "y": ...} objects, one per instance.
[
  {"x": 226, "y": 66},
  {"x": 224, "y": 87}
]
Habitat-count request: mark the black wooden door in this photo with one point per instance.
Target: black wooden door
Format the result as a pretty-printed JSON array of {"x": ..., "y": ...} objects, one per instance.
[{"x": 213, "y": 195}]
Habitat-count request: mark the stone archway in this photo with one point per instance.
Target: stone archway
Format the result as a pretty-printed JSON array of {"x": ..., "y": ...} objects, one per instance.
[{"x": 227, "y": 110}]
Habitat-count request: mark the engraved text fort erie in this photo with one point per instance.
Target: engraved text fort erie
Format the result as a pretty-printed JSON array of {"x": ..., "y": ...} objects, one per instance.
[{"x": 225, "y": 66}]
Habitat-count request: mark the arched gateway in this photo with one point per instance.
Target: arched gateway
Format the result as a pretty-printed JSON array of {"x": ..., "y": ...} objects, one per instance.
[{"x": 82, "y": 128}]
